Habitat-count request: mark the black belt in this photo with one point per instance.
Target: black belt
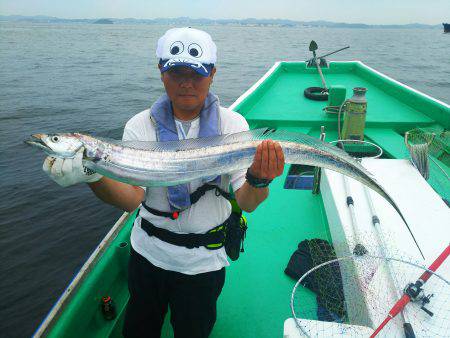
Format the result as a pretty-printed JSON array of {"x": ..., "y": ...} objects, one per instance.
[
  {"x": 213, "y": 239},
  {"x": 168, "y": 214},
  {"x": 194, "y": 197}
]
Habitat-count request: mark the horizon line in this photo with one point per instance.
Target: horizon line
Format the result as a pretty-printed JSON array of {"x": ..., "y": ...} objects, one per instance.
[{"x": 224, "y": 19}]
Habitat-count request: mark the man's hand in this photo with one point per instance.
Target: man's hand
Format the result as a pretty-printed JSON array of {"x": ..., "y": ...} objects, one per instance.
[
  {"x": 268, "y": 162},
  {"x": 69, "y": 171}
]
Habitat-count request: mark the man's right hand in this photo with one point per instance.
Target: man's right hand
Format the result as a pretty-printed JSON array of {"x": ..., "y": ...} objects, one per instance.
[{"x": 69, "y": 171}]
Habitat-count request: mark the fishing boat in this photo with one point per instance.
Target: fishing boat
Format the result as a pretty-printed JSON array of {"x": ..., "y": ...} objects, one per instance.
[
  {"x": 255, "y": 299},
  {"x": 446, "y": 27}
]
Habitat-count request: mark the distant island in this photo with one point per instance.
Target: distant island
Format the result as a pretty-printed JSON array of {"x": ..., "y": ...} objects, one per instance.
[
  {"x": 186, "y": 21},
  {"x": 104, "y": 22}
]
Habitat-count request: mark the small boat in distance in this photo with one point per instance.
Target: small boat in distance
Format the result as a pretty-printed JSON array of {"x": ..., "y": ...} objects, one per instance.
[
  {"x": 103, "y": 22},
  {"x": 446, "y": 27}
]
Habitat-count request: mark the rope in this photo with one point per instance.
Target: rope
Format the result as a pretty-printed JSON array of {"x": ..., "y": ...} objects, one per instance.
[{"x": 336, "y": 110}]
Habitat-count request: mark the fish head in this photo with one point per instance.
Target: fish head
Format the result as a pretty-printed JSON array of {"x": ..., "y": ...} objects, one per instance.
[{"x": 57, "y": 145}]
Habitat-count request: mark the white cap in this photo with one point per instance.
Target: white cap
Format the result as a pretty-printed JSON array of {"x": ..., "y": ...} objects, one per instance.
[{"x": 187, "y": 47}]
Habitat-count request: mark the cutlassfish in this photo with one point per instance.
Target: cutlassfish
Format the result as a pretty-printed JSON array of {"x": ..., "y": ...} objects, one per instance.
[{"x": 175, "y": 162}]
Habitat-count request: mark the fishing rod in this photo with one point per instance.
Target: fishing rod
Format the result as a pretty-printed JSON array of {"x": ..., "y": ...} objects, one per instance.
[{"x": 413, "y": 290}]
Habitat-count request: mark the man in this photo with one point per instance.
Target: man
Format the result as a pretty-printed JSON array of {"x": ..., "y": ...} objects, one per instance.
[{"x": 165, "y": 269}]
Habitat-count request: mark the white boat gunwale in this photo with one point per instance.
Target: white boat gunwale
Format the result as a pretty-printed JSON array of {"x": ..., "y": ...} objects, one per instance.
[{"x": 87, "y": 267}]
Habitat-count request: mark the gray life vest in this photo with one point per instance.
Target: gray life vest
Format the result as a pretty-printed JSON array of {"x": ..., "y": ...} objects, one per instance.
[{"x": 162, "y": 113}]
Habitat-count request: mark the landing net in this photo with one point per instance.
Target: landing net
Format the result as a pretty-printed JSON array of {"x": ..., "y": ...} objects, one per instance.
[
  {"x": 418, "y": 144},
  {"x": 351, "y": 295}
]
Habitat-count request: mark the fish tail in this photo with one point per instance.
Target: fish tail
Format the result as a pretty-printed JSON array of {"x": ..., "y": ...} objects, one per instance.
[{"x": 363, "y": 176}]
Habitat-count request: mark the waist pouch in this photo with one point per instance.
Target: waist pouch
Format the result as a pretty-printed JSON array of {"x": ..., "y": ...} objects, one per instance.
[
  {"x": 230, "y": 234},
  {"x": 235, "y": 235}
]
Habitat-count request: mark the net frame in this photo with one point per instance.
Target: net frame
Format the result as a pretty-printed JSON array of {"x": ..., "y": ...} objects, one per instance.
[
  {"x": 352, "y": 257},
  {"x": 418, "y": 144}
]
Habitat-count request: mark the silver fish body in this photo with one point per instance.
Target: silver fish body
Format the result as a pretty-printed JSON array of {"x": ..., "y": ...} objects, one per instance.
[{"x": 175, "y": 162}]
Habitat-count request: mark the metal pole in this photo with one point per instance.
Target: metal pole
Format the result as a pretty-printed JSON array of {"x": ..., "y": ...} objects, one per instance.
[
  {"x": 320, "y": 73},
  {"x": 322, "y": 56},
  {"x": 317, "y": 170},
  {"x": 381, "y": 242},
  {"x": 359, "y": 249}
]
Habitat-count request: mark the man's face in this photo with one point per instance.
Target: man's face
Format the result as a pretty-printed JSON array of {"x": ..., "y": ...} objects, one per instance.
[{"x": 186, "y": 88}]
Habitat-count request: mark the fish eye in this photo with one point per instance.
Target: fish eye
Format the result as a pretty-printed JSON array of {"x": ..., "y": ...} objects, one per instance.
[
  {"x": 55, "y": 138},
  {"x": 176, "y": 48},
  {"x": 195, "y": 50}
]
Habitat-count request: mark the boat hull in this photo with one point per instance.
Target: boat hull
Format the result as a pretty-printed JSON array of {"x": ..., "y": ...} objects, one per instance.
[{"x": 255, "y": 299}]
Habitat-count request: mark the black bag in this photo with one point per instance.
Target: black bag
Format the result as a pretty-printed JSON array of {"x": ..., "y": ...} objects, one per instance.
[
  {"x": 235, "y": 235},
  {"x": 325, "y": 282}
]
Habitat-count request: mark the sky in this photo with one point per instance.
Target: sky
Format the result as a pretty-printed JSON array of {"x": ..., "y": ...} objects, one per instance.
[{"x": 350, "y": 11}]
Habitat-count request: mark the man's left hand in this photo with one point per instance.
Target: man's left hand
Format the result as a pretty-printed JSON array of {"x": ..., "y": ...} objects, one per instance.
[{"x": 268, "y": 162}]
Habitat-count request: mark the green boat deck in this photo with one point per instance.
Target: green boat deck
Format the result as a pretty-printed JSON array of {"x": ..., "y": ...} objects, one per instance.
[
  {"x": 256, "y": 295},
  {"x": 255, "y": 300},
  {"x": 280, "y": 102}
]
